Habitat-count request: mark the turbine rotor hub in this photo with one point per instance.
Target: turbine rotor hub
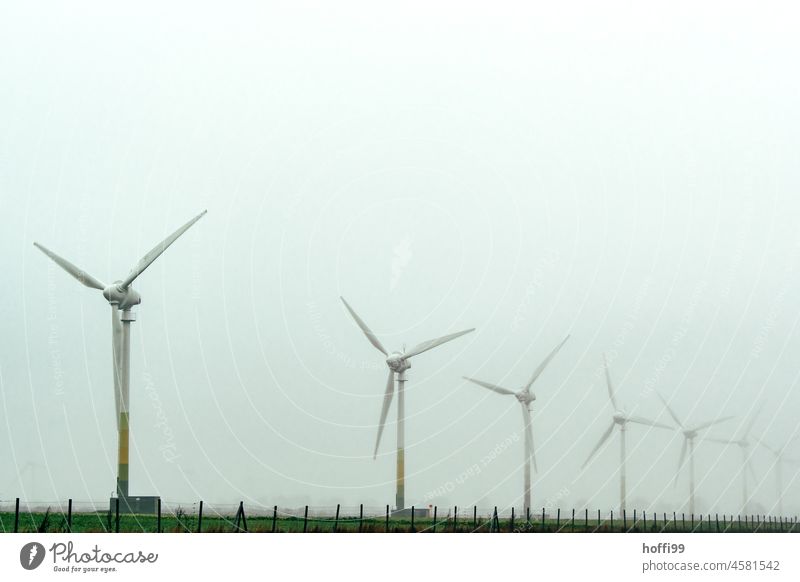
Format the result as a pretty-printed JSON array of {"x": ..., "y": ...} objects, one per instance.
[
  {"x": 123, "y": 298},
  {"x": 397, "y": 363},
  {"x": 525, "y": 397},
  {"x": 619, "y": 418}
]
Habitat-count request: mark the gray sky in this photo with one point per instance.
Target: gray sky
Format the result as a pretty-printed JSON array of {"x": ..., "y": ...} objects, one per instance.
[{"x": 621, "y": 173}]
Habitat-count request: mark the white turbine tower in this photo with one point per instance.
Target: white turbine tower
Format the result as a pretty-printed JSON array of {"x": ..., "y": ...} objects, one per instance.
[
  {"x": 620, "y": 419},
  {"x": 744, "y": 444},
  {"x": 122, "y": 298},
  {"x": 525, "y": 398},
  {"x": 398, "y": 363},
  {"x": 689, "y": 434},
  {"x": 779, "y": 459}
]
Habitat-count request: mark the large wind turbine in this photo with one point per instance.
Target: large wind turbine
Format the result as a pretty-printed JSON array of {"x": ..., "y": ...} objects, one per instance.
[
  {"x": 122, "y": 298},
  {"x": 744, "y": 448},
  {"x": 779, "y": 459},
  {"x": 621, "y": 419},
  {"x": 398, "y": 363},
  {"x": 689, "y": 434},
  {"x": 525, "y": 398}
]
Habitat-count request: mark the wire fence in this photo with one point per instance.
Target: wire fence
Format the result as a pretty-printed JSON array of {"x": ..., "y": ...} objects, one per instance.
[{"x": 199, "y": 516}]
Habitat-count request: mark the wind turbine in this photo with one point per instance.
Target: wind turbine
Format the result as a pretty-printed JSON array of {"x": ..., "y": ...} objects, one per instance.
[
  {"x": 744, "y": 448},
  {"x": 398, "y": 363},
  {"x": 525, "y": 398},
  {"x": 780, "y": 459},
  {"x": 122, "y": 298},
  {"x": 689, "y": 434},
  {"x": 621, "y": 419}
]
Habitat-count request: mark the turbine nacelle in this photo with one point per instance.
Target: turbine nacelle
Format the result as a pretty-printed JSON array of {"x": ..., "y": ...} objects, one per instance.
[
  {"x": 620, "y": 418},
  {"x": 397, "y": 362},
  {"x": 525, "y": 397},
  {"x": 123, "y": 298}
]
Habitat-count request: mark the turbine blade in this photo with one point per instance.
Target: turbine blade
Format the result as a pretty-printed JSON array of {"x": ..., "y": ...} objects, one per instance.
[
  {"x": 365, "y": 328},
  {"x": 492, "y": 387},
  {"x": 766, "y": 446},
  {"x": 681, "y": 460},
  {"x": 387, "y": 400},
  {"x": 720, "y": 441},
  {"x": 646, "y": 422},
  {"x": 526, "y": 415},
  {"x": 82, "y": 276},
  {"x": 609, "y": 385},
  {"x": 752, "y": 420},
  {"x": 544, "y": 363},
  {"x": 703, "y": 425},
  {"x": 148, "y": 259},
  {"x": 599, "y": 444},
  {"x": 430, "y": 344},
  {"x": 671, "y": 412}
]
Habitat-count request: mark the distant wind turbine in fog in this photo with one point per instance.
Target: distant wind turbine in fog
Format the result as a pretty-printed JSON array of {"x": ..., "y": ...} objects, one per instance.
[
  {"x": 398, "y": 363},
  {"x": 779, "y": 459},
  {"x": 122, "y": 298},
  {"x": 744, "y": 448},
  {"x": 621, "y": 419},
  {"x": 525, "y": 398},
  {"x": 689, "y": 434}
]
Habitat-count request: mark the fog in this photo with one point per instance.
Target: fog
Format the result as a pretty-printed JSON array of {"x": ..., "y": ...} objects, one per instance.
[{"x": 623, "y": 174}]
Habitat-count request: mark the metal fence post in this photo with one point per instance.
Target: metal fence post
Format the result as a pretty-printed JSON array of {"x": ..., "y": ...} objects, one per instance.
[
  {"x": 69, "y": 516},
  {"x": 200, "y": 517}
]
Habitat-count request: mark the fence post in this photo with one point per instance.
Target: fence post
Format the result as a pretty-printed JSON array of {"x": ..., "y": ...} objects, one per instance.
[
  {"x": 69, "y": 516},
  {"x": 387, "y": 518},
  {"x": 360, "y": 517},
  {"x": 598, "y": 520},
  {"x": 158, "y": 519},
  {"x": 558, "y": 519},
  {"x": 200, "y": 517},
  {"x": 16, "y": 516},
  {"x": 511, "y": 525},
  {"x": 336, "y": 521},
  {"x": 495, "y": 521},
  {"x": 435, "y": 508},
  {"x": 412, "y": 518},
  {"x": 305, "y": 520},
  {"x": 474, "y": 517},
  {"x": 274, "y": 517},
  {"x": 586, "y": 520},
  {"x": 573, "y": 519},
  {"x": 625, "y": 519},
  {"x": 542, "y": 518},
  {"x": 116, "y": 526},
  {"x": 612, "y": 521},
  {"x": 455, "y": 519},
  {"x": 644, "y": 521}
]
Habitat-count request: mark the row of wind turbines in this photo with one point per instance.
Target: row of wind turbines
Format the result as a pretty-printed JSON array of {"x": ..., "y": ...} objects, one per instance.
[
  {"x": 122, "y": 298},
  {"x": 398, "y": 362}
]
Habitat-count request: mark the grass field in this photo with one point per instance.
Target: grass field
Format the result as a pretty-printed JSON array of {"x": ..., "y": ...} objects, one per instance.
[{"x": 180, "y": 522}]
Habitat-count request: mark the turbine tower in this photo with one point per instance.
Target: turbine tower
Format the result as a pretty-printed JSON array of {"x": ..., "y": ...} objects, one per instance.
[
  {"x": 122, "y": 298},
  {"x": 397, "y": 362},
  {"x": 621, "y": 419},
  {"x": 779, "y": 459},
  {"x": 525, "y": 398},
  {"x": 689, "y": 434},
  {"x": 744, "y": 443}
]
